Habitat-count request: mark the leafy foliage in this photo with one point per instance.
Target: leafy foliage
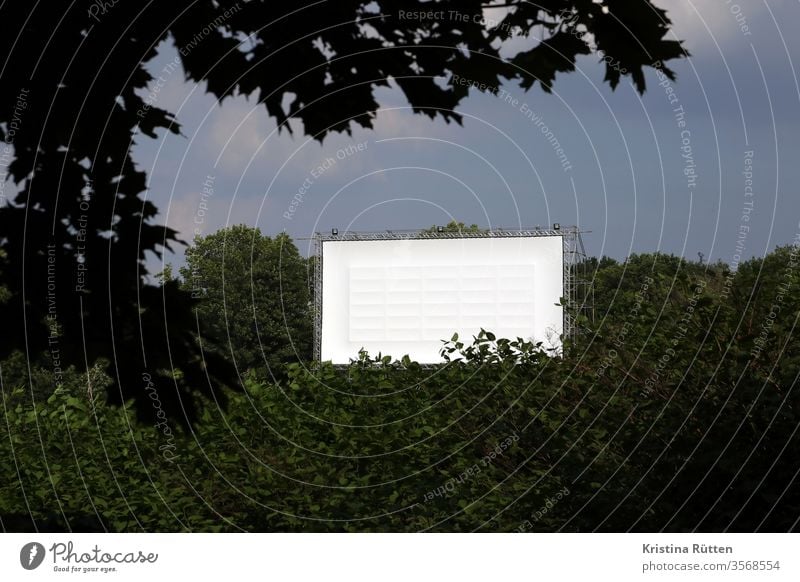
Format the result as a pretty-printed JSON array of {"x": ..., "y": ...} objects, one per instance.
[
  {"x": 660, "y": 416},
  {"x": 75, "y": 99},
  {"x": 455, "y": 226},
  {"x": 254, "y": 299}
]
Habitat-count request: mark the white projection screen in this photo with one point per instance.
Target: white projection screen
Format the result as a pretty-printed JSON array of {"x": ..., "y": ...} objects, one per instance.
[{"x": 405, "y": 296}]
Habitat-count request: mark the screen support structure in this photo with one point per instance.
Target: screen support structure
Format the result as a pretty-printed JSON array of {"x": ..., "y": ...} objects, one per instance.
[{"x": 574, "y": 254}]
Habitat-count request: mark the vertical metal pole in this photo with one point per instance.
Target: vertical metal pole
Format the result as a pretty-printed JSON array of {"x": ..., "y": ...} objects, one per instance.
[{"x": 318, "y": 298}]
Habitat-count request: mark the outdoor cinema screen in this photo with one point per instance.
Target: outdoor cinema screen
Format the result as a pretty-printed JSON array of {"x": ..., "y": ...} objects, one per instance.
[{"x": 404, "y": 296}]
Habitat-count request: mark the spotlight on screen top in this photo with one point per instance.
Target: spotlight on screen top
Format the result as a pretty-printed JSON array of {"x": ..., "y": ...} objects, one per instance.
[{"x": 334, "y": 232}]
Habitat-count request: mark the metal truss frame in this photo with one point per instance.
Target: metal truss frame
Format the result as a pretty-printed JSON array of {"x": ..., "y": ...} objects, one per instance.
[{"x": 573, "y": 253}]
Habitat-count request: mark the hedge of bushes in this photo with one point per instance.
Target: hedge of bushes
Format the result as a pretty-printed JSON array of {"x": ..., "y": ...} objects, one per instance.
[{"x": 675, "y": 408}]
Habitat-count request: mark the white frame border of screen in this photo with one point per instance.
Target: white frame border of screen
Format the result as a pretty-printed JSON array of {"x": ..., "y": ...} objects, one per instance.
[{"x": 571, "y": 243}]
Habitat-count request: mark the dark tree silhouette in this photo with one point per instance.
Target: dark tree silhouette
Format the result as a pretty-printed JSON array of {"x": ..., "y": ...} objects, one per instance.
[{"x": 73, "y": 73}]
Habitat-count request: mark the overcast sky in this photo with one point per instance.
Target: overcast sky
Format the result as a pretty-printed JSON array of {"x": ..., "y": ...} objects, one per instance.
[{"x": 625, "y": 176}]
